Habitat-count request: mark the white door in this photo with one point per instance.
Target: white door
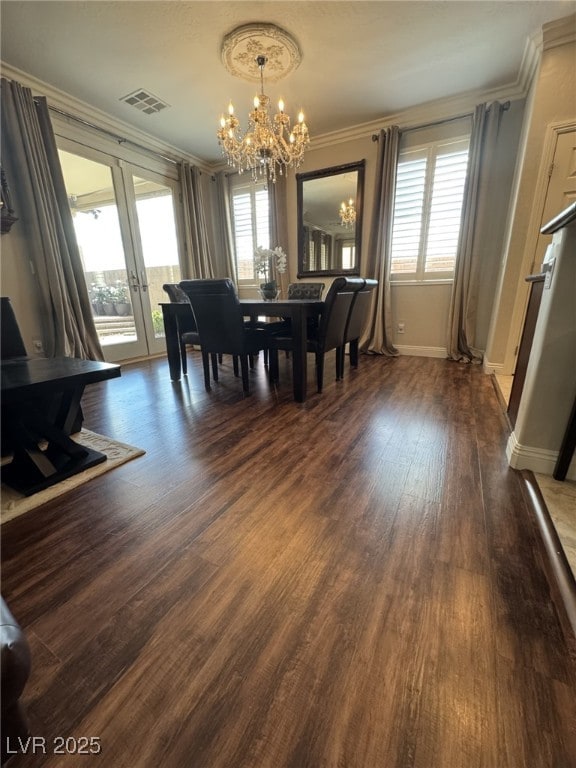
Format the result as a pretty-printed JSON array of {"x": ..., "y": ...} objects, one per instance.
[
  {"x": 126, "y": 225},
  {"x": 561, "y": 190}
]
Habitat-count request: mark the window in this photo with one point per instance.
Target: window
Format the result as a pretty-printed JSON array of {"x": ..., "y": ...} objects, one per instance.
[
  {"x": 250, "y": 223},
  {"x": 427, "y": 210}
]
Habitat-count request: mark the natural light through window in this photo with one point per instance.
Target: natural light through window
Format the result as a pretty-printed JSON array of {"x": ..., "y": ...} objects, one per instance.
[
  {"x": 250, "y": 212},
  {"x": 427, "y": 210}
]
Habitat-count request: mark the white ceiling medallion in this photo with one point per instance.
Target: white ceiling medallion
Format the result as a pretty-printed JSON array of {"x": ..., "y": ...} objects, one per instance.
[{"x": 242, "y": 46}]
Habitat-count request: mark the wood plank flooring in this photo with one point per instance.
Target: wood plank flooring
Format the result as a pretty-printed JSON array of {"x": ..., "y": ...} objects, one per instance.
[{"x": 353, "y": 582}]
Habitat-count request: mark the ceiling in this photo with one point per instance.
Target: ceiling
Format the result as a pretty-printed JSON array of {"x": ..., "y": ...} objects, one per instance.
[{"x": 361, "y": 61}]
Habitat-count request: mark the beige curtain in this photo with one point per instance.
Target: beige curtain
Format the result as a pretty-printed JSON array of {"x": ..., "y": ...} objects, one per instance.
[
  {"x": 227, "y": 264},
  {"x": 377, "y": 338},
  {"x": 30, "y": 158},
  {"x": 198, "y": 262},
  {"x": 462, "y": 312},
  {"x": 279, "y": 226}
]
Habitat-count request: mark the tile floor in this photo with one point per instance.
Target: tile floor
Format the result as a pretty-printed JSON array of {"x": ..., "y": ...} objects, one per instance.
[{"x": 560, "y": 497}]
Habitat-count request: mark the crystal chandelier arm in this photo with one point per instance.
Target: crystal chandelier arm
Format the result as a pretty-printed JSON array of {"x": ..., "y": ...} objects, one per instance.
[{"x": 268, "y": 142}]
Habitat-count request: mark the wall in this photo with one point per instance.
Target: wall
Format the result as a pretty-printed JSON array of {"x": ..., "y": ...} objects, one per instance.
[
  {"x": 424, "y": 308},
  {"x": 340, "y": 154},
  {"x": 553, "y": 100},
  {"x": 550, "y": 386},
  {"x": 18, "y": 282},
  {"x": 17, "y": 278}
]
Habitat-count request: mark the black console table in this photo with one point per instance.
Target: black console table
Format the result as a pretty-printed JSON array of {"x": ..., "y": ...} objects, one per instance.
[{"x": 40, "y": 410}]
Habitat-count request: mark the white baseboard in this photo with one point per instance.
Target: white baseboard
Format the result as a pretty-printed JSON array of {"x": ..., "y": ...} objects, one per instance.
[
  {"x": 489, "y": 367},
  {"x": 538, "y": 460},
  {"x": 421, "y": 351}
]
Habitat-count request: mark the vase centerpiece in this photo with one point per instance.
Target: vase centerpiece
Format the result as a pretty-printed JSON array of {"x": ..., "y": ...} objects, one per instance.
[{"x": 269, "y": 262}]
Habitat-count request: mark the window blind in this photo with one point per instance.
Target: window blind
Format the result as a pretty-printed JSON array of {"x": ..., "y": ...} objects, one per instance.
[
  {"x": 251, "y": 225},
  {"x": 428, "y": 209}
]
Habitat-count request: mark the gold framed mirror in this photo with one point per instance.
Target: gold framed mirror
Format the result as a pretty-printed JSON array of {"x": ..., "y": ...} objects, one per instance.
[{"x": 329, "y": 204}]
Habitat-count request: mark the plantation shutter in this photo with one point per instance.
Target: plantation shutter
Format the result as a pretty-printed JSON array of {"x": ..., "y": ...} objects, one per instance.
[
  {"x": 445, "y": 211},
  {"x": 250, "y": 213},
  {"x": 427, "y": 210},
  {"x": 408, "y": 212}
]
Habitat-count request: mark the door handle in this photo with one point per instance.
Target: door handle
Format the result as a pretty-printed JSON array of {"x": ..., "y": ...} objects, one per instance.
[{"x": 135, "y": 285}]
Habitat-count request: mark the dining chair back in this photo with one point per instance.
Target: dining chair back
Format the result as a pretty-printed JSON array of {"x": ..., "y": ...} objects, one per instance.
[
  {"x": 296, "y": 292},
  {"x": 331, "y": 329},
  {"x": 357, "y": 319},
  {"x": 336, "y": 311},
  {"x": 175, "y": 293},
  {"x": 11, "y": 344},
  {"x": 305, "y": 291},
  {"x": 220, "y": 324},
  {"x": 187, "y": 331}
]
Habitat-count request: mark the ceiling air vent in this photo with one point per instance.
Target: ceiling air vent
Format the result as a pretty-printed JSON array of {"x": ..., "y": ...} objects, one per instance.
[{"x": 145, "y": 101}]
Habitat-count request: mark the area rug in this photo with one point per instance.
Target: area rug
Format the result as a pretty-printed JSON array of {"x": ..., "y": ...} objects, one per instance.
[{"x": 14, "y": 504}]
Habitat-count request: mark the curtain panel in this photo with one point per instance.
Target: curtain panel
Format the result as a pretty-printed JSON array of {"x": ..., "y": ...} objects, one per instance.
[
  {"x": 224, "y": 223},
  {"x": 463, "y": 308},
  {"x": 377, "y": 338},
  {"x": 30, "y": 157},
  {"x": 279, "y": 225},
  {"x": 198, "y": 262}
]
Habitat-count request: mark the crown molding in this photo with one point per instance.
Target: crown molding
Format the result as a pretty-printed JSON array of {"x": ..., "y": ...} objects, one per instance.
[
  {"x": 559, "y": 32},
  {"x": 530, "y": 61},
  {"x": 101, "y": 120},
  {"x": 430, "y": 112},
  {"x": 556, "y": 33}
]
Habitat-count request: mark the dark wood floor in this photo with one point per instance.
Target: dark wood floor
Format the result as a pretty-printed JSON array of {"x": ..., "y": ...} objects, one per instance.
[{"x": 355, "y": 582}]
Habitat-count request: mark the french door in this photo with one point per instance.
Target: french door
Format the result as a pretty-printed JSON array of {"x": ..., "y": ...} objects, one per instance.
[{"x": 127, "y": 224}]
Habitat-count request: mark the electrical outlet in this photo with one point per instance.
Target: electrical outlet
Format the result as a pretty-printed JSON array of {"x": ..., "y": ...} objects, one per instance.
[
  {"x": 38, "y": 346},
  {"x": 401, "y": 327}
]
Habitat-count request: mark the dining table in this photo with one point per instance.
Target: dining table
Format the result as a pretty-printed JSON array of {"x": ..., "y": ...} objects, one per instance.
[
  {"x": 298, "y": 310},
  {"x": 41, "y": 409}
]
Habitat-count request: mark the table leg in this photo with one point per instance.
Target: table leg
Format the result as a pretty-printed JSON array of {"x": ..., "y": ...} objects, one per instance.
[
  {"x": 172, "y": 344},
  {"x": 299, "y": 355},
  {"x": 34, "y": 468}
]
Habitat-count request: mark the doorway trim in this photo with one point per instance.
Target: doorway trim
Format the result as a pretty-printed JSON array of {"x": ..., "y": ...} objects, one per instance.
[{"x": 553, "y": 131}]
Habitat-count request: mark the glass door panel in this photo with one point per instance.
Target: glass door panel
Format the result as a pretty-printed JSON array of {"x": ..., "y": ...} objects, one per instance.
[
  {"x": 127, "y": 231},
  {"x": 98, "y": 222},
  {"x": 156, "y": 223}
]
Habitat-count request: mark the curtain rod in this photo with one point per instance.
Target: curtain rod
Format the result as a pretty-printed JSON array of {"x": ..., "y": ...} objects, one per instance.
[
  {"x": 119, "y": 139},
  {"x": 505, "y": 108}
]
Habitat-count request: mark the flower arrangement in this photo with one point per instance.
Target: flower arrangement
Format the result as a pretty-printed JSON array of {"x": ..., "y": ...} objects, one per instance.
[{"x": 267, "y": 263}]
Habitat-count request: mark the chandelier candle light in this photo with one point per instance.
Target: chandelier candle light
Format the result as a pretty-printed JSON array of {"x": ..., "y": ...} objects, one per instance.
[
  {"x": 269, "y": 144},
  {"x": 348, "y": 213}
]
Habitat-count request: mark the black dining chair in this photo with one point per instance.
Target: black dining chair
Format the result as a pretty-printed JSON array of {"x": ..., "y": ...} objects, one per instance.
[
  {"x": 11, "y": 345},
  {"x": 357, "y": 319},
  {"x": 221, "y": 326},
  {"x": 306, "y": 291},
  {"x": 187, "y": 331},
  {"x": 296, "y": 292},
  {"x": 330, "y": 332}
]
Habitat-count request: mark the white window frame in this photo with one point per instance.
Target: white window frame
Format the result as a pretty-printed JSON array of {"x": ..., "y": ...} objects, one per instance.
[
  {"x": 260, "y": 225},
  {"x": 430, "y": 152}
]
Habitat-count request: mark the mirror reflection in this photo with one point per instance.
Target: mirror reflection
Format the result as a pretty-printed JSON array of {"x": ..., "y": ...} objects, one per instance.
[{"x": 330, "y": 220}]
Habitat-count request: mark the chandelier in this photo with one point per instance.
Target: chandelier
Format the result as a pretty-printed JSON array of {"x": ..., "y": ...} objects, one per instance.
[
  {"x": 348, "y": 213},
  {"x": 269, "y": 144}
]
